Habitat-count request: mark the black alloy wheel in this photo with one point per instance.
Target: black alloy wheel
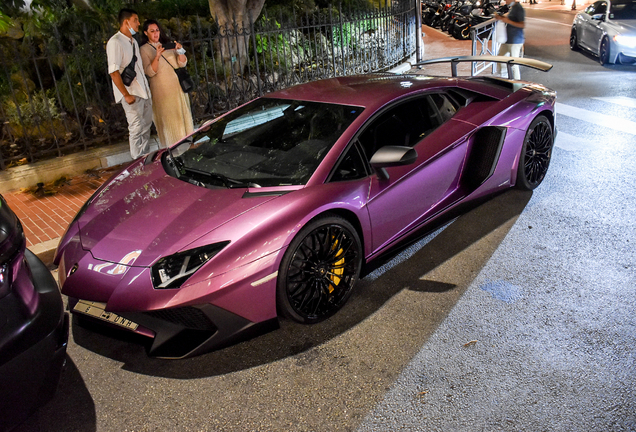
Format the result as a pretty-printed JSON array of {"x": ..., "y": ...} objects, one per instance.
[
  {"x": 535, "y": 154},
  {"x": 604, "y": 52},
  {"x": 574, "y": 41},
  {"x": 319, "y": 269}
]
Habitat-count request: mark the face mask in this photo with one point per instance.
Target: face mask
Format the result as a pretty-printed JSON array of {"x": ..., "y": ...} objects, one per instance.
[
  {"x": 181, "y": 51},
  {"x": 132, "y": 32}
]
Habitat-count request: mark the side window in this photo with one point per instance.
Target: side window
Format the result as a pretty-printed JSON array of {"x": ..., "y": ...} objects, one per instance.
[
  {"x": 445, "y": 106},
  {"x": 350, "y": 167},
  {"x": 593, "y": 9},
  {"x": 403, "y": 125},
  {"x": 601, "y": 9}
]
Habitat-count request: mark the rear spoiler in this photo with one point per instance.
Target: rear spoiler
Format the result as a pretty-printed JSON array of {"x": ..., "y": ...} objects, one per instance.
[{"x": 509, "y": 61}]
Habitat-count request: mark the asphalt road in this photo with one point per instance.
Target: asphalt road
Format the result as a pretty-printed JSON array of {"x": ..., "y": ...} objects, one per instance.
[{"x": 515, "y": 316}]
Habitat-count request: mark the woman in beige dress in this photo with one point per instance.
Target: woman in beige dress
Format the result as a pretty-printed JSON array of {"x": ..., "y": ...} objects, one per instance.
[{"x": 170, "y": 105}]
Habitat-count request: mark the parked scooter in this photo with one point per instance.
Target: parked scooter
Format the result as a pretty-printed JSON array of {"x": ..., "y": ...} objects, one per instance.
[
  {"x": 451, "y": 14},
  {"x": 429, "y": 9},
  {"x": 434, "y": 13},
  {"x": 477, "y": 15}
]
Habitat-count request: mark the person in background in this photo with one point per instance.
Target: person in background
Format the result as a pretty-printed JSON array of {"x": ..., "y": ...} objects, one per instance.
[
  {"x": 515, "y": 23},
  {"x": 135, "y": 98},
  {"x": 170, "y": 105}
]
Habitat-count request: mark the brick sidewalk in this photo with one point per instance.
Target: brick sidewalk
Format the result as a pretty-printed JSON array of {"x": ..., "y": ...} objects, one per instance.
[{"x": 45, "y": 213}]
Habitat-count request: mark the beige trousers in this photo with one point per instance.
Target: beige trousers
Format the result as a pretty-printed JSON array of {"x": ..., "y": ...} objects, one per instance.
[
  {"x": 139, "y": 117},
  {"x": 512, "y": 50}
]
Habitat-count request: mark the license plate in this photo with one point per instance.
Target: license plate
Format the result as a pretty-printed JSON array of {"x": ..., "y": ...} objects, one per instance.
[{"x": 96, "y": 310}]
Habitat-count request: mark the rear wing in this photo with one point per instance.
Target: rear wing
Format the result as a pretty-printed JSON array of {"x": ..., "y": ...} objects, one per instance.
[{"x": 509, "y": 61}]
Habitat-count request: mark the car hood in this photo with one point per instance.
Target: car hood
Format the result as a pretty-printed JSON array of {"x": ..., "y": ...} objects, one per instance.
[
  {"x": 143, "y": 214},
  {"x": 624, "y": 26}
]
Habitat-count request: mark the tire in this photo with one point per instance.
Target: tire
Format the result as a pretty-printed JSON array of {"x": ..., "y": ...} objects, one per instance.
[
  {"x": 604, "y": 52},
  {"x": 319, "y": 269},
  {"x": 535, "y": 154},
  {"x": 456, "y": 32},
  {"x": 574, "y": 40}
]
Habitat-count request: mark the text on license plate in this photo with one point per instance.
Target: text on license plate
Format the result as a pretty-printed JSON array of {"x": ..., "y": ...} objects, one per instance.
[{"x": 96, "y": 309}]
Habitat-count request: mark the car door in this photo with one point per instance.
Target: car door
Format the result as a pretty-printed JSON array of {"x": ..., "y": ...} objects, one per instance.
[
  {"x": 414, "y": 192},
  {"x": 597, "y": 30},
  {"x": 591, "y": 31}
]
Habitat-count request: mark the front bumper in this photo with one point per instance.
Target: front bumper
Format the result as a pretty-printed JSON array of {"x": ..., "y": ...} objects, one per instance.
[{"x": 181, "y": 332}]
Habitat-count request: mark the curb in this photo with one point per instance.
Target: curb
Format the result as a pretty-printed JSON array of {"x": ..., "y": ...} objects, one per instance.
[
  {"x": 46, "y": 171},
  {"x": 45, "y": 251}
]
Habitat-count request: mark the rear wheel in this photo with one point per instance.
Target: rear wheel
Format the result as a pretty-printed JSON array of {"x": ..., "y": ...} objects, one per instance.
[
  {"x": 574, "y": 40},
  {"x": 604, "y": 52},
  {"x": 319, "y": 270},
  {"x": 535, "y": 154}
]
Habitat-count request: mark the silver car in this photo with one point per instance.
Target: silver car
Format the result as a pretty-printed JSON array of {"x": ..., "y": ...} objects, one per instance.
[{"x": 607, "y": 28}]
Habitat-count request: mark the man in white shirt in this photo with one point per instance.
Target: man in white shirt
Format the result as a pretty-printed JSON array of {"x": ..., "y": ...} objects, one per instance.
[{"x": 135, "y": 97}]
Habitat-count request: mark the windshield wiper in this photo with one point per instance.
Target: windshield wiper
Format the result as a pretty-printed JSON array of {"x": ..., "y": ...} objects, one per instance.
[
  {"x": 173, "y": 164},
  {"x": 227, "y": 182}
]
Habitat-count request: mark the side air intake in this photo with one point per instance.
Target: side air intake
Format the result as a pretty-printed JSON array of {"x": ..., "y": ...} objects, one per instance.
[{"x": 483, "y": 157}]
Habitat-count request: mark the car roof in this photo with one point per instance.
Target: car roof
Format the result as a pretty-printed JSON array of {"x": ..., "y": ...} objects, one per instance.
[{"x": 371, "y": 90}]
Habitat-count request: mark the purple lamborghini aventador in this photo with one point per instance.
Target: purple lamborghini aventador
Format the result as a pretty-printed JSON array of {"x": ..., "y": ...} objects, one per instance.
[{"x": 274, "y": 208}]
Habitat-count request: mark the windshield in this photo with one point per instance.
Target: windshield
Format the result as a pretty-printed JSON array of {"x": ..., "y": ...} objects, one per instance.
[
  {"x": 268, "y": 142},
  {"x": 623, "y": 10}
]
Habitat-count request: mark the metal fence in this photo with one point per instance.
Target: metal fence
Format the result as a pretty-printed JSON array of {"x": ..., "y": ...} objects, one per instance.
[
  {"x": 484, "y": 42},
  {"x": 56, "y": 96}
]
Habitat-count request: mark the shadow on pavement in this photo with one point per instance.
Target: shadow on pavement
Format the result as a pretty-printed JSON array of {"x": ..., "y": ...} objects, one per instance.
[
  {"x": 71, "y": 409},
  {"x": 370, "y": 295}
]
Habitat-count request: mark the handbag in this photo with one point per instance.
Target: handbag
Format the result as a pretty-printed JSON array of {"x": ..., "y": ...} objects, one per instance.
[
  {"x": 500, "y": 32},
  {"x": 185, "y": 80},
  {"x": 129, "y": 74}
]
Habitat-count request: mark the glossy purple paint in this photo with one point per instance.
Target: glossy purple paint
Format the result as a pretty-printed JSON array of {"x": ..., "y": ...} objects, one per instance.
[{"x": 143, "y": 214}]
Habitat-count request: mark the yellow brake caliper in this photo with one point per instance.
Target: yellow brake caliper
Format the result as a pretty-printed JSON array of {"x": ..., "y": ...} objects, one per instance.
[{"x": 337, "y": 272}]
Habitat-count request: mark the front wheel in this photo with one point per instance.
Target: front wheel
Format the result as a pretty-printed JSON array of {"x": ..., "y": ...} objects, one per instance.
[
  {"x": 319, "y": 270},
  {"x": 604, "y": 52},
  {"x": 535, "y": 154},
  {"x": 574, "y": 40}
]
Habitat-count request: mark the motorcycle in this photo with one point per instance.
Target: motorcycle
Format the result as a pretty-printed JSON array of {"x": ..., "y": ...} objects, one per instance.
[{"x": 463, "y": 25}]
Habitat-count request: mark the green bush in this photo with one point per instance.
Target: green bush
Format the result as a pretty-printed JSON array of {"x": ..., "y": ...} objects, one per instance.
[{"x": 31, "y": 110}]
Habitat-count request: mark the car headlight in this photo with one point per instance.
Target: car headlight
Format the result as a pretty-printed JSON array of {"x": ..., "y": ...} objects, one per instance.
[
  {"x": 172, "y": 271},
  {"x": 626, "y": 41}
]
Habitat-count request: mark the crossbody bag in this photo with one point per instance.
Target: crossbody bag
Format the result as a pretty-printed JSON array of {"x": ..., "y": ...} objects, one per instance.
[
  {"x": 185, "y": 80},
  {"x": 129, "y": 74}
]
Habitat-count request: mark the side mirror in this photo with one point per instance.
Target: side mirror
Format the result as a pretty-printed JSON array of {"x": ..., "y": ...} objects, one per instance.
[
  {"x": 389, "y": 156},
  {"x": 598, "y": 17}
]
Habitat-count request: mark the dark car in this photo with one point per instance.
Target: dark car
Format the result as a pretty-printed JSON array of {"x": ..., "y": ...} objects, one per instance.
[{"x": 33, "y": 326}]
